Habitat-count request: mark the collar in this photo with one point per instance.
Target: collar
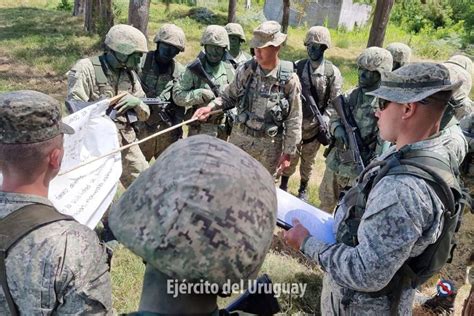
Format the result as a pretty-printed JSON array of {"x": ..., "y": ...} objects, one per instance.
[
  {"x": 11, "y": 201},
  {"x": 272, "y": 74}
]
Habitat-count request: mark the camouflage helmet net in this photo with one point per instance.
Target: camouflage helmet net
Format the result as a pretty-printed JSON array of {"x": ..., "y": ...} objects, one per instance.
[
  {"x": 215, "y": 35},
  {"x": 318, "y": 35},
  {"x": 235, "y": 29},
  {"x": 463, "y": 61},
  {"x": 208, "y": 215},
  {"x": 375, "y": 59},
  {"x": 126, "y": 39},
  {"x": 171, "y": 34},
  {"x": 401, "y": 53}
]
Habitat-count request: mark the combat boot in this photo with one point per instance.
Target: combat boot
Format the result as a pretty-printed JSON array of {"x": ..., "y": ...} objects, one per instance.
[
  {"x": 284, "y": 183},
  {"x": 303, "y": 191}
]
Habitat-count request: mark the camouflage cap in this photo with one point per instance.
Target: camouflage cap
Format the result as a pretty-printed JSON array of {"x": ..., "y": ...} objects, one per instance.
[
  {"x": 171, "y": 34},
  {"x": 204, "y": 210},
  {"x": 126, "y": 39},
  {"x": 30, "y": 117},
  {"x": 414, "y": 82},
  {"x": 401, "y": 53},
  {"x": 462, "y": 61},
  {"x": 235, "y": 29},
  {"x": 375, "y": 59},
  {"x": 267, "y": 34},
  {"x": 215, "y": 35},
  {"x": 318, "y": 35}
]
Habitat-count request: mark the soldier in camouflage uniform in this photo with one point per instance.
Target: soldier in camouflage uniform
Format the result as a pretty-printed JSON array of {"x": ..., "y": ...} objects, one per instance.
[
  {"x": 110, "y": 74},
  {"x": 192, "y": 92},
  {"x": 325, "y": 81},
  {"x": 58, "y": 268},
  {"x": 460, "y": 68},
  {"x": 401, "y": 54},
  {"x": 399, "y": 214},
  {"x": 340, "y": 170},
  {"x": 267, "y": 96},
  {"x": 467, "y": 168},
  {"x": 215, "y": 224},
  {"x": 159, "y": 73},
  {"x": 236, "y": 38}
]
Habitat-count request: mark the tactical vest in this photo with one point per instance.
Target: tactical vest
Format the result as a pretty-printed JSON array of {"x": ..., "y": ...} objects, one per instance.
[
  {"x": 16, "y": 226},
  {"x": 272, "y": 123},
  {"x": 328, "y": 75},
  {"x": 440, "y": 176}
]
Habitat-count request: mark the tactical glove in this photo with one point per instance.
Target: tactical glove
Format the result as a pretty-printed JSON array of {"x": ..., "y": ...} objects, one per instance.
[
  {"x": 340, "y": 135},
  {"x": 126, "y": 103}
]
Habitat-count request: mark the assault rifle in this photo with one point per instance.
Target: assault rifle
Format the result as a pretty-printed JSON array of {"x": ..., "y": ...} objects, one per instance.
[
  {"x": 196, "y": 68},
  {"x": 323, "y": 136},
  {"x": 76, "y": 105},
  {"x": 353, "y": 152},
  {"x": 256, "y": 301}
]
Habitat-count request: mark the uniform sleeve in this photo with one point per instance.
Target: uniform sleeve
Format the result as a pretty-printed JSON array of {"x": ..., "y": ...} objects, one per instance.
[
  {"x": 292, "y": 124},
  {"x": 395, "y": 218},
  {"x": 335, "y": 120},
  {"x": 84, "y": 285},
  {"x": 80, "y": 81},
  {"x": 142, "y": 110},
  {"x": 335, "y": 90},
  {"x": 185, "y": 92}
]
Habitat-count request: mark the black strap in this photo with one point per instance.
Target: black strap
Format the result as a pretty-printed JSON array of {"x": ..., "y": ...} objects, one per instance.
[{"x": 17, "y": 225}]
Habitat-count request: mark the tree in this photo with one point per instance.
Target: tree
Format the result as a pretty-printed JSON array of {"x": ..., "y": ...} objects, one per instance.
[
  {"x": 286, "y": 15},
  {"x": 138, "y": 14},
  {"x": 379, "y": 24},
  {"x": 79, "y": 7},
  {"x": 231, "y": 13},
  {"x": 99, "y": 16}
]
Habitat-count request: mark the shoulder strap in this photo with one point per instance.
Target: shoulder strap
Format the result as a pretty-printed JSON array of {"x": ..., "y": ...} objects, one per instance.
[
  {"x": 17, "y": 225},
  {"x": 300, "y": 67},
  {"x": 285, "y": 72},
  {"x": 100, "y": 76}
]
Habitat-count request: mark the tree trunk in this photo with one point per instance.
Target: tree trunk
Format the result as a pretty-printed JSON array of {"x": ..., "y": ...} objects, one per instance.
[
  {"x": 231, "y": 11},
  {"x": 286, "y": 16},
  {"x": 99, "y": 16},
  {"x": 79, "y": 7},
  {"x": 379, "y": 24},
  {"x": 138, "y": 14}
]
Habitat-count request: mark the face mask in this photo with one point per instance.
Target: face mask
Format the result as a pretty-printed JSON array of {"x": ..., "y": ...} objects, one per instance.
[
  {"x": 315, "y": 51},
  {"x": 214, "y": 54},
  {"x": 234, "y": 44},
  {"x": 166, "y": 52},
  {"x": 119, "y": 61},
  {"x": 367, "y": 78}
]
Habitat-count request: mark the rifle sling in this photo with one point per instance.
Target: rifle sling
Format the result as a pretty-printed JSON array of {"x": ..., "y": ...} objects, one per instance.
[{"x": 350, "y": 119}]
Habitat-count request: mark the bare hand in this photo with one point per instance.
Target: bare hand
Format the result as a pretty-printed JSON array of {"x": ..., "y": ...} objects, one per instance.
[
  {"x": 296, "y": 235},
  {"x": 202, "y": 114},
  {"x": 283, "y": 163}
]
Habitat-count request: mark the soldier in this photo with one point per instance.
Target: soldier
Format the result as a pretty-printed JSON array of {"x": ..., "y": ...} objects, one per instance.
[
  {"x": 192, "y": 92},
  {"x": 267, "y": 96},
  {"x": 401, "y": 54},
  {"x": 236, "y": 38},
  {"x": 467, "y": 168},
  {"x": 359, "y": 108},
  {"x": 324, "y": 82},
  {"x": 460, "y": 68},
  {"x": 110, "y": 74},
  {"x": 159, "y": 73},
  {"x": 214, "y": 225},
  {"x": 394, "y": 227},
  {"x": 53, "y": 264}
]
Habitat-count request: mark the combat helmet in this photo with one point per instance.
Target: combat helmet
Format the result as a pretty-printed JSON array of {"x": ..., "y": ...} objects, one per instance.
[
  {"x": 318, "y": 35},
  {"x": 401, "y": 53},
  {"x": 171, "y": 34},
  {"x": 235, "y": 29},
  {"x": 126, "y": 39},
  {"x": 209, "y": 215},
  {"x": 215, "y": 35},
  {"x": 375, "y": 59},
  {"x": 462, "y": 61}
]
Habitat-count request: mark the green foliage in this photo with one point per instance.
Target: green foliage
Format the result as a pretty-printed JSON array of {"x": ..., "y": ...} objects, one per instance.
[{"x": 64, "y": 5}]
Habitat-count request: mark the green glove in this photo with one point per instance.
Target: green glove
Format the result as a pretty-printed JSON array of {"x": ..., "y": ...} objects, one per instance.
[
  {"x": 206, "y": 95},
  {"x": 126, "y": 103},
  {"x": 340, "y": 135}
]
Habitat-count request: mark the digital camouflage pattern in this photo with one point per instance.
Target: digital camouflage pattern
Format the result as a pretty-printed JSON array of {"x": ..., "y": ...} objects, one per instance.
[
  {"x": 463, "y": 61},
  {"x": 30, "y": 117},
  {"x": 58, "y": 269},
  {"x": 215, "y": 35},
  {"x": 235, "y": 29},
  {"x": 242, "y": 57},
  {"x": 460, "y": 100},
  {"x": 126, "y": 39},
  {"x": 403, "y": 216},
  {"x": 318, "y": 35},
  {"x": 467, "y": 170},
  {"x": 375, "y": 59},
  {"x": 83, "y": 86},
  {"x": 401, "y": 52},
  {"x": 267, "y": 34},
  {"x": 208, "y": 215},
  {"x": 171, "y": 34}
]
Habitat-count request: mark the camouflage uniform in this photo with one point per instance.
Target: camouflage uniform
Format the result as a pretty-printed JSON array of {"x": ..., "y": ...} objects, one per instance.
[
  {"x": 255, "y": 93},
  {"x": 84, "y": 86},
  {"x": 236, "y": 29},
  {"x": 467, "y": 169},
  {"x": 327, "y": 85},
  {"x": 59, "y": 268},
  {"x": 402, "y": 217},
  {"x": 214, "y": 224},
  {"x": 187, "y": 90},
  {"x": 401, "y": 54},
  {"x": 157, "y": 83},
  {"x": 460, "y": 68},
  {"x": 339, "y": 173}
]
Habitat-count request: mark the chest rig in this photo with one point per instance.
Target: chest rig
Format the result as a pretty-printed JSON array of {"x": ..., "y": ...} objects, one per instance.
[
  {"x": 267, "y": 121},
  {"x": 441, "y": 176}
]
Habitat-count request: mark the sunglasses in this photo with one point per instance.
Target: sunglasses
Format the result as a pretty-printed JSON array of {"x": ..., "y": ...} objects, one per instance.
[{"x": 383, "y": 104}]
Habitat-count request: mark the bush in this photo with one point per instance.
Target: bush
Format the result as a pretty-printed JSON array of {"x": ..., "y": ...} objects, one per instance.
[{"x": 64, "y": 5}]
